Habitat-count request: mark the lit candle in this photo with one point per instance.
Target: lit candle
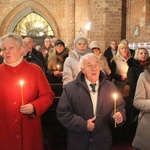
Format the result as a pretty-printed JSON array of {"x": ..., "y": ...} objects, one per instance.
[
  {"x": 58, "y": 67},
  {"x": 21, "y": 84},
  {"x": 115, "y": 97}
]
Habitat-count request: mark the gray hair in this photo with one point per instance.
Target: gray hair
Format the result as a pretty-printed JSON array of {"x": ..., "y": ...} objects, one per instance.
[
  {"x": 14, "y": 36},
  {"x": 87, "y": 57}
]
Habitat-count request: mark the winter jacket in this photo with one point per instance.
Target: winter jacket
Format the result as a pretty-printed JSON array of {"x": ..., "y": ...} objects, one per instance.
[
  {"x": 60, "y": 61},
  {"x": 109, "y": 55},
  {"x": 142, "y": 103},
  {"x": 134, "y": 70},
  {"x": 71, "y": 67},
  {"x": 75, "y": 108},
  {"x": 20, "y": 131}
]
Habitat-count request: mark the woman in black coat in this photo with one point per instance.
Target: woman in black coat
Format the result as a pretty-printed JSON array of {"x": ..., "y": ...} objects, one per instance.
[
  {"x": 56, "y": 58},
  {"x": 136, "y": 66}
]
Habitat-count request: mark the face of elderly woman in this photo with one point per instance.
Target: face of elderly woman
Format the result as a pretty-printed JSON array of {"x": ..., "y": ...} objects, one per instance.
[
  {"x": 81, "y": 45},
  {"x": 91, "y": 69},
  {"x": 11, "y": 50}
]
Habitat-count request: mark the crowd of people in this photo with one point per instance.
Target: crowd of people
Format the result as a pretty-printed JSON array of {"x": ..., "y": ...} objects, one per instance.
[{"x": 87, "y": 106}]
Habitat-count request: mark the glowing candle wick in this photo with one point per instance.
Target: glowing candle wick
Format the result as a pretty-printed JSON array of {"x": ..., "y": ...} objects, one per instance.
[
  {"x": 21, "y": 84},
  {"x": 58, "y": 67}
]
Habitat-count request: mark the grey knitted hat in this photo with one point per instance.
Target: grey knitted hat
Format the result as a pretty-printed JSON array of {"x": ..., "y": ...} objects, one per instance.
[{"x": 80, "y": 38}]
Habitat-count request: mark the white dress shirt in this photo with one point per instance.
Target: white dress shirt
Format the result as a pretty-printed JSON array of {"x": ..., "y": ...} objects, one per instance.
[{"x": 94, "y": 95}]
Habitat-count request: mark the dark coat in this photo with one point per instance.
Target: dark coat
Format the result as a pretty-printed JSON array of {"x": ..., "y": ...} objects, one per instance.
[
  {"x": 134, "y": 70},
  {"x": 132, "y": 52},
  {"x": 75, "y": 108},
  {"x": 30, "y": 57},
  {"x": 108, "y": 54},
  {"x": 40, "y": 56},
  {"x": 133, "y": 73},
  {"x": 60, "y": 61},
  {"x": 113, "y": 73},
  {"x": 1, "y": 59}
]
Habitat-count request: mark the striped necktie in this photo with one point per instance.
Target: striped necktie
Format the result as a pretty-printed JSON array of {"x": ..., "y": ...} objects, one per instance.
[{"x": 93, "y": 87}]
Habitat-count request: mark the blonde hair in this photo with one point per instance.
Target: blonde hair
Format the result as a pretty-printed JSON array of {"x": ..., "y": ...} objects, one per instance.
[
  {"x": 137, "y": 51},
  {"x": 121, "y": 45},
  {"x": 52, "y": 59}
]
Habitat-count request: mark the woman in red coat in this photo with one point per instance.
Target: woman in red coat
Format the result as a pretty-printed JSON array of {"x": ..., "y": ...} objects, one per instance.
[{"x": 21, "y": 104}]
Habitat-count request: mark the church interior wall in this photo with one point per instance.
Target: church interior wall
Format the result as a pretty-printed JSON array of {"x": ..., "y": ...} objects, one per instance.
[{"x": 112, "y": 19}]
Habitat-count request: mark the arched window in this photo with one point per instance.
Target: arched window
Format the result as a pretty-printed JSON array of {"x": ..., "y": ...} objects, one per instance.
[{"x": 33, "y": 25}]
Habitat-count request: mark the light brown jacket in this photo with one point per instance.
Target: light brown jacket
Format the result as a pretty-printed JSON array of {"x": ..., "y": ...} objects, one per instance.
[{"x": 142, "y": 102}]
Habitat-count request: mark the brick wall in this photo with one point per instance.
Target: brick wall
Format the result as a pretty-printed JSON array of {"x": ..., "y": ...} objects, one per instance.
[
  {"x": 106, "y": 17},
  {"x": 138, "y": 13},
  {"x": 64, "y": 15},
  {"x": 110, "y": 19}
]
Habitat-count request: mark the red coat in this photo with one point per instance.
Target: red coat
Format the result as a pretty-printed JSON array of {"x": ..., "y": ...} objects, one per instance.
[{"x": 19, "y": 131}]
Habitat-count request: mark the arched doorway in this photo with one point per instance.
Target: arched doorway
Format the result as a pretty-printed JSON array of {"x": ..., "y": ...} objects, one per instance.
[{"x": 12, "y": 20}]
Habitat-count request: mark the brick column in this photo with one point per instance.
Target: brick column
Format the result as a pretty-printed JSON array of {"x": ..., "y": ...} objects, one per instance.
[{"x": 106, "y": 18}]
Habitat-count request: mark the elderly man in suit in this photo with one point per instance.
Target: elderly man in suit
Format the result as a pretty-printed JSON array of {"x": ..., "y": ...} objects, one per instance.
[{"x": 86, "y": 107}]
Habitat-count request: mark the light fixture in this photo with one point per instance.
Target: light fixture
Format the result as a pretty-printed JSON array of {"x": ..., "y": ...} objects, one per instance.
[
  {"x": 88, "y": 26},
  {"x": 38, "y": 24},
  {"x": 81, "y": 31}
]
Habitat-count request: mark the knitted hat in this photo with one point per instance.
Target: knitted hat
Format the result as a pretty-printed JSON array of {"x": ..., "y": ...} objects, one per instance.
[
  {"x": 59, "y": 42},
  {"x": 94, "y": 44},
  {"x": 80, "y": 38}
]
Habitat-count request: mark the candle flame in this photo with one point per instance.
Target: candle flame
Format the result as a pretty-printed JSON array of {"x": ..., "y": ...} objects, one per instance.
[
  {"x": 115, "y": 96},
  {"x": 21, "y": 82},
  {"x": 58, "y": 66}
]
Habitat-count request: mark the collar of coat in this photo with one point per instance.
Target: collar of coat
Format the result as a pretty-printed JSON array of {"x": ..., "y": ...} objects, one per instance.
[{"x": 132, "y": 62}]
